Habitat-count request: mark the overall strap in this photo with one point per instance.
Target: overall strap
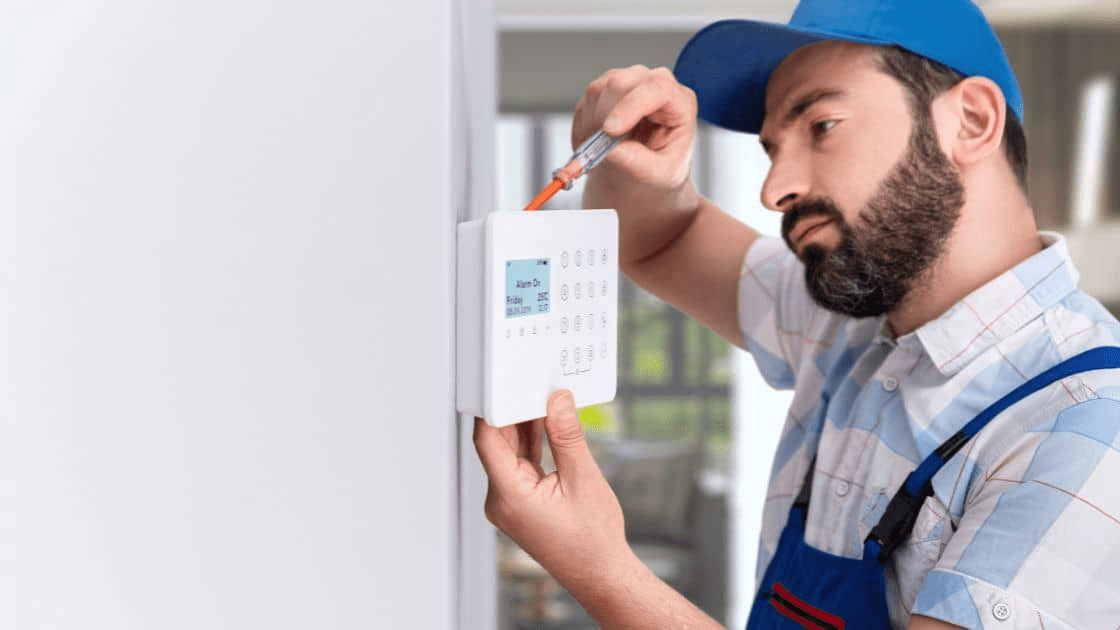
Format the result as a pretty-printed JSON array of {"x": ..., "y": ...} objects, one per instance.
[
  {"x": 802, "y": 500},
  {"x": 902, "y": 511}
]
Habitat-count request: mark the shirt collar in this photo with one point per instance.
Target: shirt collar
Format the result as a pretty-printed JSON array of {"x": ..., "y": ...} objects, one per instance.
[{"x": 999, "y": 308}]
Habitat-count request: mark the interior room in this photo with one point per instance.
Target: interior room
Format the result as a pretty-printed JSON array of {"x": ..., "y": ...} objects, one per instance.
[{"x": 231, "y": 303}]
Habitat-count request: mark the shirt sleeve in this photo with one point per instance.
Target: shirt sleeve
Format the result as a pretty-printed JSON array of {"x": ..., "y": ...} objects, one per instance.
[
  {"x": 783, "y": 328},
  {"x": 1038, "y": 545}
]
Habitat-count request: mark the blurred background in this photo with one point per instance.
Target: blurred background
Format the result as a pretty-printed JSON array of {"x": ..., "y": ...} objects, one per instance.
[{"x": 688, "y": 441}]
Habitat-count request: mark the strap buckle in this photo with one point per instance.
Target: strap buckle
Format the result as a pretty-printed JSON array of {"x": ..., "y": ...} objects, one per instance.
[{"x": 898, "y": 521}]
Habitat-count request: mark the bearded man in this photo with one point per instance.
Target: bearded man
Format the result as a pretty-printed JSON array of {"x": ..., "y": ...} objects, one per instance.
[{"x": 950, "y": 455}]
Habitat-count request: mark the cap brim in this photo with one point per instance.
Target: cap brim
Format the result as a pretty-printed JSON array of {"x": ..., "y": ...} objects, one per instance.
[{"x": 729, "y": 63}]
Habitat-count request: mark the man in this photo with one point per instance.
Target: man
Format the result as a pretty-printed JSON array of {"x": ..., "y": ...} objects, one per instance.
[{"x": 913, "y": 290}]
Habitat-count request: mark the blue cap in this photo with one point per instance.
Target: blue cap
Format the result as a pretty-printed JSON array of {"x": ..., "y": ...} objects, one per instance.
[{"x": 728, "y": 63}]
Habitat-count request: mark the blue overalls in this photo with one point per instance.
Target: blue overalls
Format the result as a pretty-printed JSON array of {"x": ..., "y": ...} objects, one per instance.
[{"x": 807, "y": 588}]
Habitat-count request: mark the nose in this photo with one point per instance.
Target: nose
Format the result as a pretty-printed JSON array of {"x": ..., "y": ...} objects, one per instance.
[{"x": 785, "y": 184}]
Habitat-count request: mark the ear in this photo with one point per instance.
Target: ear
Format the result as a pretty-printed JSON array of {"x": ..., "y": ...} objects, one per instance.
[{"x": 977, "y": 109}]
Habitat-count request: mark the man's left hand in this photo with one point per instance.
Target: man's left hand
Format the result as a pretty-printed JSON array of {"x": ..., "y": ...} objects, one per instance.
[{"x": 569, "y": 520}]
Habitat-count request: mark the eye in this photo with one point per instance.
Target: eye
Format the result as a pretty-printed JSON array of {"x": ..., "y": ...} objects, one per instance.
[{"x": 823, "y": 127}]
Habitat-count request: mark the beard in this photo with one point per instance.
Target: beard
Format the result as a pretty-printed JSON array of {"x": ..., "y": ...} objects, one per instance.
[{"x": 901, "y": 233}]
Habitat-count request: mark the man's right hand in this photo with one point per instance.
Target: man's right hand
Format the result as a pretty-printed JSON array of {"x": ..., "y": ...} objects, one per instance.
[{"x": 645, "y": 177}]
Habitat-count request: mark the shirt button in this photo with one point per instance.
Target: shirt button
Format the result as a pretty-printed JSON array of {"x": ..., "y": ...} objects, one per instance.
[
  {"x": 842, "y": 488},
  {"x": 890, "y": 383},
  {"x": 1001, "y": 611}
]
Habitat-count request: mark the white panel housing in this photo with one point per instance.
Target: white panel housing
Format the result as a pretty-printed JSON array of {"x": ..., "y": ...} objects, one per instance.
[{"x": 518, "y": 345}]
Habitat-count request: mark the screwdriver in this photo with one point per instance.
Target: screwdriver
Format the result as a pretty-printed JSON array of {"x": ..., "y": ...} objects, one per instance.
[{"x": 586, "y": 157}]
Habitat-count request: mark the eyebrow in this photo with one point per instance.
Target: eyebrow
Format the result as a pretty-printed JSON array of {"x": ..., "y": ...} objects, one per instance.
[{"x": 807, "y": 101}]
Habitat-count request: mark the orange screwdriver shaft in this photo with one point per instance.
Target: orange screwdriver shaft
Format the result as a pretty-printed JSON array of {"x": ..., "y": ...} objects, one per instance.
[
  {"x": 545, "y": 195},
  {"x": 587, "y": 156}
]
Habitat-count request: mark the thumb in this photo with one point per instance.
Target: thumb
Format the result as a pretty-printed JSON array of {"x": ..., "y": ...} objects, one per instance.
[
  {"x": 566, "y": 438},
  {"x": 635, "y": 158},
  {"x": 664, "y": 168}
]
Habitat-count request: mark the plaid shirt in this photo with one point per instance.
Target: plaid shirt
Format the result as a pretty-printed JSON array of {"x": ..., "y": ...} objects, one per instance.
[{"x": 1023, "y": 530}]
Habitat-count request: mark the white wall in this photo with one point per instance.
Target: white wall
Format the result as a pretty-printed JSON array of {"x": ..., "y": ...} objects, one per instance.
[{"x": 225, "y": 326}]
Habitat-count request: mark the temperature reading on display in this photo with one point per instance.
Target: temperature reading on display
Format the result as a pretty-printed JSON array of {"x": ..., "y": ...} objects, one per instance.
[{"x": 527, "y": 290}]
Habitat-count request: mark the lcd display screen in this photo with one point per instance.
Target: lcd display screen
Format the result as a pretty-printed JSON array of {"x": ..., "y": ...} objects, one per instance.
[{"x": 527, "y": 286}]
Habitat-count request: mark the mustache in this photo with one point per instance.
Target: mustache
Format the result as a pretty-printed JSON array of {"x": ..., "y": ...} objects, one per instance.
[{"x": 808, "y": 208}]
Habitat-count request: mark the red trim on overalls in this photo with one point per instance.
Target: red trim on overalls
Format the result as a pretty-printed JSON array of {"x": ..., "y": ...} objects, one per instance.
[{"x": 809, "y": 617}]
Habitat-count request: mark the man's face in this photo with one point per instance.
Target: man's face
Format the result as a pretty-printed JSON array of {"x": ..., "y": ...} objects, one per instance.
[{"x": 868, "y": 195}]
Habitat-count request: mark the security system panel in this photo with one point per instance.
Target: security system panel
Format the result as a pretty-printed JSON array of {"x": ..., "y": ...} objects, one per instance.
[{"x": 537, "y": 311}]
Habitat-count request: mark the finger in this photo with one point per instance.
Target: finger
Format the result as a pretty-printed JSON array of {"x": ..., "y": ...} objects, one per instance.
[
  {"x": 529, "y": 442},
  {"x": 600, "y": 96},
  {"x": 511, "y": 436},
  {"x": 659, "y": 98},
  {"x": 495, "y": 452},
  {"x": 566, "y": 437},
  {"x": 615, "y": 82},
  {"x": 537, "y": 440},
  {"x": 647, "y": 165},
  {"x": 525, "y": 439}
]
